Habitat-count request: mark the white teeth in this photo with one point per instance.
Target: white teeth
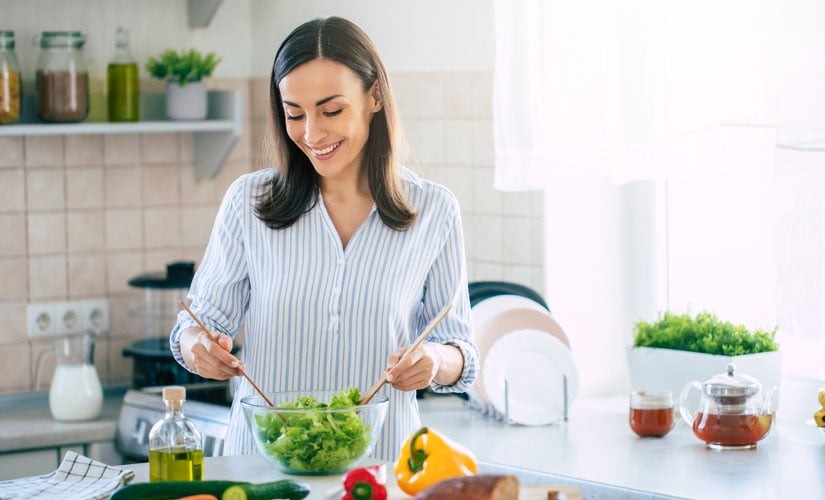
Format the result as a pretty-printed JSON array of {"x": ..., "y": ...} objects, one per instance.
[{"x": 325, "y": 150}]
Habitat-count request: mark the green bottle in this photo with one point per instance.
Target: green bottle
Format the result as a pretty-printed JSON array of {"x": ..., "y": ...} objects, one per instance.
[{"x": 122, "y": 82}]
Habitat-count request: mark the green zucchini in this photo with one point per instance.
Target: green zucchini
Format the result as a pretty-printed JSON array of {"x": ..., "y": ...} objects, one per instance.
[
  {"x": 283, "y": 489},
  {"x": 166, "y": 490}
]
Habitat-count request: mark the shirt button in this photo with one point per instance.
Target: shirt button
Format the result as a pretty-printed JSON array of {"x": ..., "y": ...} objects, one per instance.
[
  {"x": 340, "y": 262},
  {"x": 336, "y": 291}
]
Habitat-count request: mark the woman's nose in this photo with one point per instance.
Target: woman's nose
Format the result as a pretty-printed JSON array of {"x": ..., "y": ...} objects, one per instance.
[{"x": 313, "y": 131}]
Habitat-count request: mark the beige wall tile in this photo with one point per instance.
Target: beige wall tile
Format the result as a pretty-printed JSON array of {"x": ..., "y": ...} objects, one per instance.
[
  {"x": 426, "y": 140},
  {"x": 14, "y": 190},
  {"x": 486, "y": 199},
  {"x": 516, "y": 240},
  {"x": 11, "y": 151},
  {"x": 121, "y": 149},
  {"x": 84, "y": 188},
  {"x": 15, "y": 282},
  {"x": 468, "y": 228},
  {"x": 87, "y": 276},
  {"x": 161, "y": 227},
  {"x": 160, "y": 185},
  {"x": 12, "y": 235},
  {"x": 156, "y": 148},
  {"x": 457, "y": 179},
  {"x": 403, "y": 91},
  {"x": 15, "y": 368},
  {"x": 47, "y": 233},
  {"x": 156, "y": 260},
  {"x": 482, "y": 151},
  {"x": 537, "y": 242},
  {"x": 126, "y": 313},
  {"x": 47, "y": 278},
  {"x": 124, "y": 230},
  {"x": 122, "y": 186},
  {"x": 197, "y": 225},
  {"x": 484, "y": 271},
  {"x": 45, "y": 189},
  {"x": 120, "y": 268},
  {"x": 13, "y": 322},
  {"x": 458, "y": 142},
  {"x": 85, "y": 231},
  {"x": 197, "y": 191},
  {"x": 488, "y": 238},
  {"x": 186, "y": 147},
  {"x": 120, "y": 367},
  {"x": 259, "y": 98},
  {"x": 44, "y": 150},
  {"x": 516, "y": 203},
  {"x": 523, "y": 275},
  {"x": 84, "y": 150},
  {"x": 240, "y": 151},
  {"x": 467, "y": 95},
  {"x": 430, "y": 95}
]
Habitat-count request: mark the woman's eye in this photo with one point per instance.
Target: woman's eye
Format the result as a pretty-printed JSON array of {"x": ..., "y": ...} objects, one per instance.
[
  {"x": 294, "y": 117},
  {"x": 332, "y": 113}
]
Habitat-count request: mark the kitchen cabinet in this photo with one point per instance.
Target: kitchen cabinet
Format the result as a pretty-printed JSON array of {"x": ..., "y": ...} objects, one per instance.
[
  {"x": 25, "y": 463},
  {"x": 214, "y": 137}
]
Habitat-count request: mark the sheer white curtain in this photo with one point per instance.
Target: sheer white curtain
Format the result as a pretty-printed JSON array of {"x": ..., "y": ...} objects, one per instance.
[{"x": 680, "y": 146}]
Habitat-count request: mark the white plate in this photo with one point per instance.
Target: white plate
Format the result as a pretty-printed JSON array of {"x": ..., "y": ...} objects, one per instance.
[
  {"x": 533, "y": 363},
  {"x": 488, "y": 308}
]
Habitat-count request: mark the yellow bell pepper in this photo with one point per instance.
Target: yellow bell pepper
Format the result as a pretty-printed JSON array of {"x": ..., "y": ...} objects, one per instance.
[{"x": 427, "y": 457}]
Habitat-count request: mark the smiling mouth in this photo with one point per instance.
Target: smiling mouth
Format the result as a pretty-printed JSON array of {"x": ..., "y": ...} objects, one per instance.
[{"x": 325, "y": 151}]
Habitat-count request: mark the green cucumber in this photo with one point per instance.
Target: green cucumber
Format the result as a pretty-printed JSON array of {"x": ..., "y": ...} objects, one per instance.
[
  {"x": 283, "y": 489},
  {"x": 166, "y": 490}
]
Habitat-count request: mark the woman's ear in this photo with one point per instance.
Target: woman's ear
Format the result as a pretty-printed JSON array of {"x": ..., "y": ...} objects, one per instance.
[{"x": 375, "y": 94}]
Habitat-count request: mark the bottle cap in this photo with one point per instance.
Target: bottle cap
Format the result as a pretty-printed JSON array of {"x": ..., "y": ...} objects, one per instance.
[{"x": 174, "y": 393}]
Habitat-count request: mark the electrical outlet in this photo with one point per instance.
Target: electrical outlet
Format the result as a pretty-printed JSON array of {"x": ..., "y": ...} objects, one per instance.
[
  {"x": 55, "y": 319},
  {"x": 96, "y": 315},
  {"x": 40, "y": 320}
]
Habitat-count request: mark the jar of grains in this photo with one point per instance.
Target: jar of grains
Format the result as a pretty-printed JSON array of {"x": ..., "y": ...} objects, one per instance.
[
  {"x": 9, "y": 79},
  {"x": 62, "y": 78}
]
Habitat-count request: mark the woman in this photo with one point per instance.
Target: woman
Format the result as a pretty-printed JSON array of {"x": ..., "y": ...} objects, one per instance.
[{"x": 338, "y": 259}]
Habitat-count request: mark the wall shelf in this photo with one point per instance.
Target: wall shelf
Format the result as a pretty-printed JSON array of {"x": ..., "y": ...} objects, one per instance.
[{"x": 214, "y": 137}]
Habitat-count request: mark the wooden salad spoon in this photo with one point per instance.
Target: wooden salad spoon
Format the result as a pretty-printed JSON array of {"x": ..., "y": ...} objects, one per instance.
[{"x": 214, "y": 339}]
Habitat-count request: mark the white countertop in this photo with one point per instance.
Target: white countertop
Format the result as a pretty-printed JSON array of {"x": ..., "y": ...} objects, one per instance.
[{"x": 595, "y": 445}]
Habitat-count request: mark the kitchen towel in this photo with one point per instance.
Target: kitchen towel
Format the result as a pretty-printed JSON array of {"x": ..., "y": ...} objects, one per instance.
[{"x": 78, "y": 477}]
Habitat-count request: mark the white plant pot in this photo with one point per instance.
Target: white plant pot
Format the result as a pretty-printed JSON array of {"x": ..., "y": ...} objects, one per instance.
[
  {"x": 654, "y": 369},
  {"x": 187, "y": 102}
]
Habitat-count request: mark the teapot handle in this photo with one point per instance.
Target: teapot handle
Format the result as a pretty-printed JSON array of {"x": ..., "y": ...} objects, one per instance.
[
  {"x": 687, "y": 415},
  {"x": 767, "y": 403}
]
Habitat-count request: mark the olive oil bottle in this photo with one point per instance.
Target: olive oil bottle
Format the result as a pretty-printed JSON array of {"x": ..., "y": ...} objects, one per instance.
[
  {"x": 123, "y": 86},
  {"x": 175, "y": 444}
]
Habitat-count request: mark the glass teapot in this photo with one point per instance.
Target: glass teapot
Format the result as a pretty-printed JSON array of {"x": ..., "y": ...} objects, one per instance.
[{"x": 733, "y": 411}]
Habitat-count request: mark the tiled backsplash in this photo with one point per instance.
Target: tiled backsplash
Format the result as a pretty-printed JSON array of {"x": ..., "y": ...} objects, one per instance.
[{"x": 81, "y": 215}]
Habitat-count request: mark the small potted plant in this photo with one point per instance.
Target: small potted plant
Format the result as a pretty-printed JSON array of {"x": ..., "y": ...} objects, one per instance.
[
  {"x": 183, "y": 72},
  {"x": 678, "y": 348}
]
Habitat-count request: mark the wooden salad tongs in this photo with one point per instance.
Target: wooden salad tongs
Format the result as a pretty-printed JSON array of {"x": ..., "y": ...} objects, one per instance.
[{"x": 426, "y": 333}]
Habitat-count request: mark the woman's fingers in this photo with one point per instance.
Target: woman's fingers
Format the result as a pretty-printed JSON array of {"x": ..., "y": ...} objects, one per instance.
[
  {"x": 212, "y": 359},
  {"x": 413, "y": 371}
]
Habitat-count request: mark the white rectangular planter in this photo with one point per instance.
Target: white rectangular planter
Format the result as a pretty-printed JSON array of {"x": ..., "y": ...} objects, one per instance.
[{"x": 654, "y": 369}]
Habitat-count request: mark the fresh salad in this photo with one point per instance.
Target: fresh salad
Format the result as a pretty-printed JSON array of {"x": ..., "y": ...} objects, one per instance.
[{"x": 315, "y": 441}]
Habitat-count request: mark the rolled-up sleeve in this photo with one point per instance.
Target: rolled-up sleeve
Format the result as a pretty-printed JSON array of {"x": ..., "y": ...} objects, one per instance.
[
  {"x": 220, "y": 287},
  {"x": 447, "y": 284}
]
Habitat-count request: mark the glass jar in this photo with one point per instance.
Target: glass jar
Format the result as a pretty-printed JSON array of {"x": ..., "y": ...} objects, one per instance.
[
  {"x": 10, "y": 95},
  {"x": 62, "y": 78}
]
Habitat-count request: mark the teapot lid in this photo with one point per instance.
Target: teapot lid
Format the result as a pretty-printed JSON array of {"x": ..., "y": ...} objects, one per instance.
[{"x": 730, "y": 384}]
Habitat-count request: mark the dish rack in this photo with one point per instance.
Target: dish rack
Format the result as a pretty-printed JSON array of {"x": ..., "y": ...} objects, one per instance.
[{"x": 491, "y": 411}]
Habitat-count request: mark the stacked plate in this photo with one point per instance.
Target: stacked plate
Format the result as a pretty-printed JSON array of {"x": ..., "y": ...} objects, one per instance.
[{"x": 525, "y": 358}]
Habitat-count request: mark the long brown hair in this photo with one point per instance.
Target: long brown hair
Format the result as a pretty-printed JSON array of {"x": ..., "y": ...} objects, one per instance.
[{"x": 294, "y": 190}]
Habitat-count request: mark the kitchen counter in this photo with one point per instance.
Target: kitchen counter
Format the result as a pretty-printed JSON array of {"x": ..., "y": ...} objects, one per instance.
[
  {"x": 595, "y": 446},
  {"x": 27, "y": 423}
]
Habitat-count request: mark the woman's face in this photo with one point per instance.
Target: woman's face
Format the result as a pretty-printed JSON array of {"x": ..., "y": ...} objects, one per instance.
[{"x": 328, "y": 115}]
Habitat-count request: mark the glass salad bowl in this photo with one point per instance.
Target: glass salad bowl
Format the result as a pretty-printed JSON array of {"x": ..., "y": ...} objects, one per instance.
[{"x": 315, "y": 432}]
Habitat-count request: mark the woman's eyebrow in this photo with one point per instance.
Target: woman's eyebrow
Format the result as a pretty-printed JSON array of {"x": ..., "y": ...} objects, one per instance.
[{"x": 317, "y": 103}]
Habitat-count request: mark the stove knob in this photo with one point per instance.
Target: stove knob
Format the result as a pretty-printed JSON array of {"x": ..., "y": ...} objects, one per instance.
[{"x": 141, "y": 431}]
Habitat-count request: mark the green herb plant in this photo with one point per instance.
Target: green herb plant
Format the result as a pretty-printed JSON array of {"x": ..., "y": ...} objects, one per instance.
[
  {"x": 315, "y": 441},
  {"x": 704, "y": 333},
  {"x": 184, "y": 67}
]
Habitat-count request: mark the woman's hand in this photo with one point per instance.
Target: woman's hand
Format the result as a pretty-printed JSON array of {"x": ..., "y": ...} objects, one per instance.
[
  {"x": 207, "y": 358},
  {"x": 419, "y": 368}
]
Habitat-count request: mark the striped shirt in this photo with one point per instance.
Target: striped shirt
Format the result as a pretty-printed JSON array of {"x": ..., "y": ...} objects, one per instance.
[{"x": 318, "y": 316}]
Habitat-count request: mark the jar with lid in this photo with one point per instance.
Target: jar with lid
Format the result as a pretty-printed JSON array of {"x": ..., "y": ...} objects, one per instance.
[
  {"x": 123, "y": 86},
  {"x": 10, "y": 88},
  {"x": 175, "y": 444},
  {"x": 61, "y": 77}
]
